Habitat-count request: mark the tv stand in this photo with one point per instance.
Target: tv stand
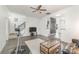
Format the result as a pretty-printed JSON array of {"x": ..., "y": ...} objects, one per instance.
[{"x": 33, "y": 33}]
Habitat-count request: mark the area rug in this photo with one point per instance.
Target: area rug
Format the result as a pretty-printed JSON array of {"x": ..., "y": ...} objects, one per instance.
[
  {"x": 23, "y": 50},
  {"x": 34, "y": 45}
]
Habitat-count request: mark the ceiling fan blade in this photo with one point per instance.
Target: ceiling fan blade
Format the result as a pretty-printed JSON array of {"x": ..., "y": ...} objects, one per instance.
[
  {"x": 43, "y": 10},
  {"x": 48, "y": 13},
  {"x": 32, "y": 8},
  {"x": 39, "y": 7}
]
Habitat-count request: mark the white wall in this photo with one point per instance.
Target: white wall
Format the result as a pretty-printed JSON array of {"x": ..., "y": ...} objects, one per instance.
[
  {"x": 68, "y": 15},
  {"x": 71, "y": 17},
  {"x": 43, "y": 26},
  {"x": 75, "y": 23},
  {"x": 3, "y": 26},
  {"x": 44, "y": 30},
  {"x": 30, "y": 22},
  {"x": 12, "y": 21}
]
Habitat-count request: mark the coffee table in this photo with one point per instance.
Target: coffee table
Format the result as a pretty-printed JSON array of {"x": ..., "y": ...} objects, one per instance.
[{"x": 49, "y": 47}]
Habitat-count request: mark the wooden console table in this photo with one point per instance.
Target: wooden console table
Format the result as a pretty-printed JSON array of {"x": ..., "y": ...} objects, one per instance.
[{"x": 49, "y": 47}]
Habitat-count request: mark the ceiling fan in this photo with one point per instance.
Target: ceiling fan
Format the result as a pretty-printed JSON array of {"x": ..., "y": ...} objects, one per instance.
[{"x": 38, "y": 9}]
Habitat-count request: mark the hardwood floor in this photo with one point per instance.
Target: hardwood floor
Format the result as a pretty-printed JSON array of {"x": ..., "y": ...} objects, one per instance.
[{"x": 11, "y": 43}]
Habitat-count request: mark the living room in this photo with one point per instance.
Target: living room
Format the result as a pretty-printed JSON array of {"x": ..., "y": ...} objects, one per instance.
[{"x": 56, "y": 24}]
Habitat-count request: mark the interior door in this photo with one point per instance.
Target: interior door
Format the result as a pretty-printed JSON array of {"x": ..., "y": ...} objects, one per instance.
[{"x": 52, "y": 25}]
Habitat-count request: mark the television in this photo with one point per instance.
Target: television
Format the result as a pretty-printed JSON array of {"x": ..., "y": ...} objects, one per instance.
[{"x": 32, "y": 29}]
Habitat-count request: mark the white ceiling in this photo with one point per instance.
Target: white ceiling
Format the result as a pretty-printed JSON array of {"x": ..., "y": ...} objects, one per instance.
[{"x": 27, "y": 11}]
